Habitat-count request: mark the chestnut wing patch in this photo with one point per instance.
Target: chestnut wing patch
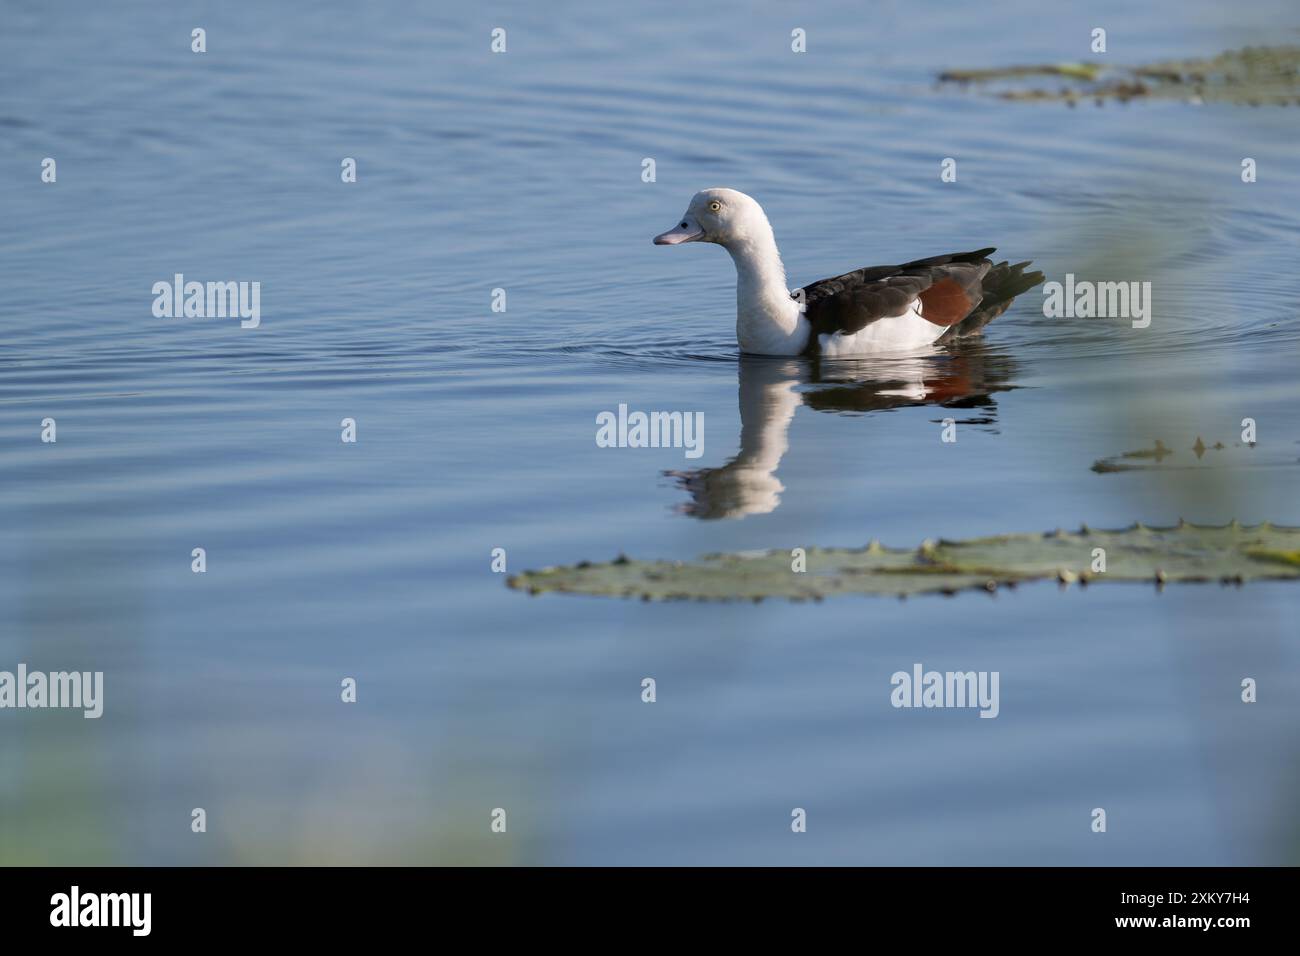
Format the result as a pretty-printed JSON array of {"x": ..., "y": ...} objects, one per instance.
[{"x": 946, "y": 302}]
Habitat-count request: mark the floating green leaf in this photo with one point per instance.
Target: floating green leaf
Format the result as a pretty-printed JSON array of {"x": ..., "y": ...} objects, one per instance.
[
  {"x": 1124, "y": 461},
  {"x": 1082, "y": 71},
  {"x": 1250, "y": 76},
  {"x": 1202, "y": 455},
  {"x": 1232, "y": 553}
]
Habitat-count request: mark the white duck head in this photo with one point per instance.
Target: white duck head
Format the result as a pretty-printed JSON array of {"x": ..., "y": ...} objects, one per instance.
[
  {"x": 719, "y": 215},
  {"x": 768, "y": 320}
]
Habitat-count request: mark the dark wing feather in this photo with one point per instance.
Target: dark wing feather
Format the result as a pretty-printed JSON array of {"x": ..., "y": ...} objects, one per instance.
[{"x": 949, "y": 288}]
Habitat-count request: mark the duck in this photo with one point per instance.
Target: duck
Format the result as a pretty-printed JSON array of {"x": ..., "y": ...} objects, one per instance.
[{"x": 878, "y": 310}]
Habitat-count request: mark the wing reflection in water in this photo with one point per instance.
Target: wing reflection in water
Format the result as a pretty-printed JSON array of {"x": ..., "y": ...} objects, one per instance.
[{"x": 964, "y": 376}]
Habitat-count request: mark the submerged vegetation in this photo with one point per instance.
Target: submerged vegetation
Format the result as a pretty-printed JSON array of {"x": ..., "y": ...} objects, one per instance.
[
  {"x": 1231, "y": 554},
  {"x": 1252, "y": 76}
]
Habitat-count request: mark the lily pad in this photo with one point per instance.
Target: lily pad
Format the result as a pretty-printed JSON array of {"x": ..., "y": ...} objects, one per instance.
[
  {"x": 1250, "y": 76},
  {"x": 1231, "y": 553},
  {"x": 1081, "y": 71},
  {"x": 1145, "y": 459}
]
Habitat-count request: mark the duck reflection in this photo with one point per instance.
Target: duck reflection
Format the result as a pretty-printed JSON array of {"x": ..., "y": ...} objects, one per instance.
[{"x": 954, "y": 377}]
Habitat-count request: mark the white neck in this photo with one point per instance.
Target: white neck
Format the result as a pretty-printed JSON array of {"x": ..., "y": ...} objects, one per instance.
[{"x": 768, "y": 321}]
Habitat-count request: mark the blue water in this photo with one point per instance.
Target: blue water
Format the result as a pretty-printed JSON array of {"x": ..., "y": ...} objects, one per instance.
[{"x": 522, "y": 171}]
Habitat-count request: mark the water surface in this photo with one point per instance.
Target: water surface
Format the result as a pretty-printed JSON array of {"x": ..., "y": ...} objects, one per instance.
[{"x": 476, "y": 431}]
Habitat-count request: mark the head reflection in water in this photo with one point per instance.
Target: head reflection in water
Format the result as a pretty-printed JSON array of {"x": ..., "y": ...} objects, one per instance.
[{"x": 962, "y": 376}]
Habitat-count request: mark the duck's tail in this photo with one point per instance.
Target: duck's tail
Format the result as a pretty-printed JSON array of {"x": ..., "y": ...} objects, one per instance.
[{"x": 1001, "y": 285}]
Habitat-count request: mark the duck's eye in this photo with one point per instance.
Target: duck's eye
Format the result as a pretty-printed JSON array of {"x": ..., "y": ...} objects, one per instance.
[
  {"x": 715, "y": 206},
  {"x": 684, "y": 226}
]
